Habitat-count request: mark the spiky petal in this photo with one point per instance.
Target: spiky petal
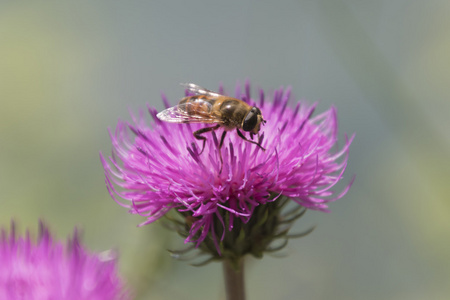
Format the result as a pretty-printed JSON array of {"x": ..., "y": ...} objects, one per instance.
[
  {"x": 49, "y": 269},
  {"x": 157, "y": 167}
]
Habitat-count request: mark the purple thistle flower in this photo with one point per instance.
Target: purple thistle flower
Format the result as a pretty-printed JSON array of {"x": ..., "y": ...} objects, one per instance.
[
  {"x": 158, "y": 167},
  {"x": 48, "y": 270}
]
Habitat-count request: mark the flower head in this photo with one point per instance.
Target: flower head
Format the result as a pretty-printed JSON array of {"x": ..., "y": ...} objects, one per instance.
[
  {"x": 157, "y": 166},
  {"x": 49, "y": 270}
]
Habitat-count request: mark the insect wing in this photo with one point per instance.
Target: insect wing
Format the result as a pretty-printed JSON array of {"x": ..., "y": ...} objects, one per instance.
[
  {"x": 180, "y": 113},
  {"x": 172, "y": 115},
  {"x": 198, "y": 90}
]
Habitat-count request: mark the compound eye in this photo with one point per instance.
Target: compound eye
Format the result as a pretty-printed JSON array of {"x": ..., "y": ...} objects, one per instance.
[{"x": 250, "y": 120}]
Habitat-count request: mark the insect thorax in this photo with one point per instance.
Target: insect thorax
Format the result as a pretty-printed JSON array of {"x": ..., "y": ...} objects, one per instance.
[{"x": 233, "y": 112}]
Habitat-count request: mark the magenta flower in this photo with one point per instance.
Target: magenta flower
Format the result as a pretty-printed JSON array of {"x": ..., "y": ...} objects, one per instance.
[
  {"x": 48, "y": 270},
  {"x": 157, "y": 166}
]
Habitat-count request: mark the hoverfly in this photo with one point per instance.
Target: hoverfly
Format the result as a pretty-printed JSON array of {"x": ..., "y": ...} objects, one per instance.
[{"x": 213, "y": 108}]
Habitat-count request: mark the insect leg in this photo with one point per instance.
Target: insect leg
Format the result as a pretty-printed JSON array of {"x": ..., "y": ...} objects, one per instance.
[
  {"x": 222, "y": 138},
  {"x": 245, "y": 139},
  {"x": 220, "y": 151},
  {"x": 198, "y": 136}
]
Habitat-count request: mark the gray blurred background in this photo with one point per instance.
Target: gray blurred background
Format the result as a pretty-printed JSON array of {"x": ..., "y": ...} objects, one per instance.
[{"x": 69, "y": 70}]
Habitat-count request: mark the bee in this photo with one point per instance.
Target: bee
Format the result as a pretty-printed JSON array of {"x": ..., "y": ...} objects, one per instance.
[{"x": 213, "y": 108}]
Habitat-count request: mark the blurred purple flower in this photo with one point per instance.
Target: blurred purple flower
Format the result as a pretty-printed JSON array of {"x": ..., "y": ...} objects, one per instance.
[
  {"x": 157, "y": 166},
  {"x": 48, "y": 270}
]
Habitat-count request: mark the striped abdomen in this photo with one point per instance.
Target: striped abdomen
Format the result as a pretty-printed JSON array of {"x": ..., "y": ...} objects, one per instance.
[{"x": 199, "y": 105}]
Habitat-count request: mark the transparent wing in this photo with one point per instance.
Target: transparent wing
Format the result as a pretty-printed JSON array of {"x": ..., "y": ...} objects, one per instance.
[
  {"x": 179, "y": 114},
  {"x": 198, "y": 90}
]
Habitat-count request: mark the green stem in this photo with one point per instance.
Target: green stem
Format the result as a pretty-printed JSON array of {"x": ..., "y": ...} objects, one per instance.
[{"x": 234, "y": 279}]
